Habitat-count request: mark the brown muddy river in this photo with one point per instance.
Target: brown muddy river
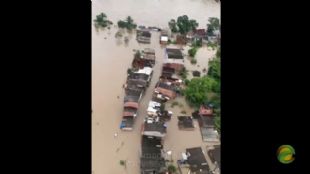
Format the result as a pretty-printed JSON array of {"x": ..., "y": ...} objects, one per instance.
[{"x": 110, "y": 59}]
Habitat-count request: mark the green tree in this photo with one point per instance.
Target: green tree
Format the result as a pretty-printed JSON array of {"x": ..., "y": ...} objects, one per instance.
[
  {"x": 172, "y": 168},
  {"x": 128, "y": 23},
  {"x": 198, "y": 89},
  {"x": 102, "y": 21},
  {"x": 214, "y": 24},
  {"x": 215, "y": 68},
  {"x": 183, "y": 73},
  {"x": 173, "y": 26},
  {"x": 183, "y": 24},
  {"x": 192, "y": 52}
]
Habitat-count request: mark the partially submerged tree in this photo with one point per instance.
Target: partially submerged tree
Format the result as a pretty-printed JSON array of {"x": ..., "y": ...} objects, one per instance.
[
  {"x": 192, "y": 52},
  {"x": 213, "y": 25},
  {"x": 102, "y": 21},
  {"x": 128, "y": 23},
  {"x": 183, "y": 73},
  {"x": 215, "y": 68},
  {"x": 172, "y": 168},
  {"x": 198, "y": 89},
  {"x": 183, "y": 24},
  {"x": 173, "y": 26}
]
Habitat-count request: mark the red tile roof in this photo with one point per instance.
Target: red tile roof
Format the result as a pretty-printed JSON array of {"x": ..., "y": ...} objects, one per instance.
[
  {"x": 205, "y": 111},
  {"x": 131, "y": 104}
]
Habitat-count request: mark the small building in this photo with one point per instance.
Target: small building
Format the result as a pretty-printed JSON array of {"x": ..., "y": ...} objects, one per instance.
[
  {"x": 215, "y": 156},
  {"x": 214, "y": 37},
  {"x": 174, "y": 59},
  {"x": 207, "y": 127},
  {"x": 133, "y": 94},
  {"x": 164, "y": 37},
  {"x": 153, "y": 108},
  {"x": 130, "y": 111},
  {"x": 197, "y": 35},
  {"x": 174, "y": 53},
  {"x": 151, "y": 160},
  {"x": 139, "y": 83},
  {"x": 181, "y": 40},
  {"x": 205, "y": 110},
  {"x": 127, "y": 123},
  {"x": 144, "y": 36},
  {"x": 200, "y": 34},
  {"x": 196, "y": 73},
  {"x": 197, "y": 161},
  {"x": 163, "y": 93},
  {"x": 145, "y": 58},
  {"x": 185, "y": 123},
  {"x": 154, "y": 128}
]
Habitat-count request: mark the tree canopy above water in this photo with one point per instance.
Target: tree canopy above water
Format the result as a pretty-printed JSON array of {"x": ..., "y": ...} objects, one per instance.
[
  {"x": 128, "y": 23},
  {"x": 183, "y": 24},
  {"x": 213, "y": 25},
  {"x": 102, "y": 20}
]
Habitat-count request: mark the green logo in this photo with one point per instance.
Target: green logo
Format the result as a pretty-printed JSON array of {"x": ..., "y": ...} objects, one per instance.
[{"x": 286, "y": 154}]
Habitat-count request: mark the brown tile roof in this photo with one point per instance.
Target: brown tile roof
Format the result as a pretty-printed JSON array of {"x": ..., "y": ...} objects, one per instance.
[
  {"x": 205, "y": 111},
  {"x": 131, "y": 104},
  {"x": 166, "y": 92}
]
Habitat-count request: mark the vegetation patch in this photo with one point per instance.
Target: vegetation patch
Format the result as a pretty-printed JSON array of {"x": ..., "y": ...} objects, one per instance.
[
  {"x": 128, "y": 23},
  {"x": 102, "y": 21}
]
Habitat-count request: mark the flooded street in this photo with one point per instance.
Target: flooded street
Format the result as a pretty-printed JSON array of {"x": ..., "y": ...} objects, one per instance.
[{"x": 110, "y": 59}]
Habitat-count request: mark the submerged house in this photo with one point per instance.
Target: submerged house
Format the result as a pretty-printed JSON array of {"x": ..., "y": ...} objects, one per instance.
[
  {"x": 154, "y": 128},
  {"x": 129, "y": 114},
  {"x": 185, "y": 123},
  {"x": 174, "y": 59},
  {"x": 197, "y": 35},
  {"x": 215, "y": 156},
  {"x": 196, "y": 160},
  {"x": 151, "y": 160},
  {"x": 153, "y": 108},
  {"x": 164, "y": 94},
  {"x": 206, "y": 124},
  {"x": 144, "y": 36},
  {"x": 144, "y": 59},
  {"x": 205, "y": 110},
  {"x": 164, "y": 37},
  {"x": 214, "y": 36}
]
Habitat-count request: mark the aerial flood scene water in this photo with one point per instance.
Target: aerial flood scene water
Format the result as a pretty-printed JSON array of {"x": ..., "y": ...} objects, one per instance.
[{"x": 156, "y": 86}]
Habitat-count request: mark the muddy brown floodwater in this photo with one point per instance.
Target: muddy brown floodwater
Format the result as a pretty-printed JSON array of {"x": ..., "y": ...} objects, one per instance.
[{"x": 110, "y": 59}]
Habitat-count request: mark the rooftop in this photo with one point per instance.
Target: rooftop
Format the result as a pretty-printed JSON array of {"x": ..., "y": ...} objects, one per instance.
[
  {"x": 156, "y": 127},
  {"x": 174, "y": 53},
  {"x": 151, "y": 158},
  {"x": 197, "y": 160},
  {"x": 149, "y": 51},
  {"x": 131, "y": 104},
  {"x": 145, "y": 70},
  {"x": 138, "y": 76},
  {"x": 200, "y": 32},
  {"x": 215, "y": 155},
  {"x": 132, "y": 98},
  {"x": 144, "y": 33},
  {"x": 185, "y": 122},
  {"x": 207, "y": 122},
  {"x": 166, "y": 92},
  {"x": 206, "y": 111},
  {"x": 127, "y": 123}
]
